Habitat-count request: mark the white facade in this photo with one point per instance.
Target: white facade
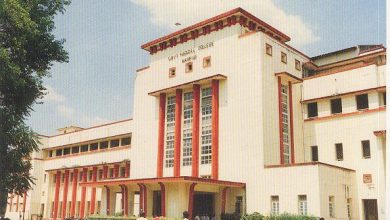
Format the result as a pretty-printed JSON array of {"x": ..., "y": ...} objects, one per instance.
[{"x": 257, "y": 100}]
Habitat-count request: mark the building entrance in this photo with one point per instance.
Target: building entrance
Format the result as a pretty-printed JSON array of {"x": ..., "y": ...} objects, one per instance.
[
  {"x": 370, "y": 209},
  {"x": 204, "y": 205}
]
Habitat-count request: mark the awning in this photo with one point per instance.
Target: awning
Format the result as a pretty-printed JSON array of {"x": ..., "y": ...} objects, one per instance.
[
  {"x": 289, "y": 77},
  {"x": 181, "y": 179}
]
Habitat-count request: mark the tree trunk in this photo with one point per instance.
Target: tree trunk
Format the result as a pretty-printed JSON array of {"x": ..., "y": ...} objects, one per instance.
[{"x": 3, "y": 202}]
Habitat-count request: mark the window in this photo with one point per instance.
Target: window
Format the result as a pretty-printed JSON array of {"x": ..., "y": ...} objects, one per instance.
[
  {"x": 283, "y": 57},
  {"x": 314, "y": 153},
  {"x": 125, "y": 141},
  {"x": 336, "y": 106},
  {"x": 80, "y": 175},
  {"x": 59, "y": 152},
  {"x": 122, "y": 171},
  {"x": 362, "y": 101},
  {"x": 100, "y": 176},
  {"x": 111, "y": 172},
  {"x": 93, "y": 146},
  {"x": 206, "y": 126},
  {"x": 187, "y": 128},
  {"x": 103, "y": 144},
  {"x": 274, "y": 205},
  {"x": 90, "y": 175},
  {"x": 268, "y": 49},
  {"x": 298, "y": 65},
  {"x": 285, "y": 124},
  {"x": 206, "y": 62},
  {"x": 382, "y": 99},
  {"x": 44, "y": 178},
  {"x": 189, "y": 67},
  {"x": 114, "y": 143},
  {"x": 84, "y": 148},
  {"x": 366, "y": 149},
  {"x": 67, "y": 151},
  {"x": 339, "y": 151},
  {"x": 172, "y": 72},
  {"x": 50, "y": 153},
  {"x": 302, "y": 205},
  {"x": 331, "y": 206},
  {"x": 170, "y": 132},
  {"x": 349, "y": 201},
  {"x": 312, "y": 110},
  {"x": 75, "y": 150}
]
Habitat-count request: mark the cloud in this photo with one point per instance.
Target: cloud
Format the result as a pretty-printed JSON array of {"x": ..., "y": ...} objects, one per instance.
[
  {"x": 187, "y": 12},
  {"x": 66, "y": 111},
  {"x": 93, "y": 121},
  {"x": 53, "y": 96}
]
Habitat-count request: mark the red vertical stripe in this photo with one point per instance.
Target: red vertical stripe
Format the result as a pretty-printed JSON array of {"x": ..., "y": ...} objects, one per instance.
[
  {"x": 178, "y": 110},
  {"x": 126, "y": 200},
  {"x": 141, "y": 197},
  {"x": 127, "y": 170},
  {"x": 215, "y": 128},
  {"x": 195, "y": 131},
  {"x": 74, "y": 191},
  {"x": 107, "y": 200},
  {"x": 65, "y": 194},
  {"x": 145, "y": 199},
  {"x": 116, "y": 170},
  {"x": 162, "y": 186},
  {"x": 83, "y": 192},
  {"x": 161, "y": 131},
  {"x": 191, "y": 201},
  {"x": 56, "y": 194},
  {"x": 93, "y": 192},
  {"x": 290, "y": 102},
  {"x": 105, "y": 172},
  {"x": 223, "y": 205},
  {"x": 280, "y": 120}
]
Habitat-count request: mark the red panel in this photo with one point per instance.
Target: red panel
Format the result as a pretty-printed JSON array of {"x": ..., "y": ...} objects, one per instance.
[
  {"x": 195, "y": 131},
  {"x": 74, "y": 191},
  {"x": 161, "y": 131},
  {"x": 83, "y": 192},
  {"x": 223, "y": 205},
  {"x": 178, "y": 111},
  {"x": 105, "y": 171},
  {"x": 24, "y": 202},
  {"x": 127, "y": 170},
  {"x": 215, "y": 128},
  {"x": 191, "y": 200},
  {"x": 116, "y": 170},
  {"x": 162, "y": 186},
  {"x": 107, "y": 200},
  {"x": 145, "y": 200},
  {"x": 56, "y": 194},
  {"x": 65, "y": 194},
  {"x": 93, "y": 193}
]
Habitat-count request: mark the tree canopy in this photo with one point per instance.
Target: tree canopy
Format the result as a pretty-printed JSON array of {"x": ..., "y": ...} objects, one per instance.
[{"x": 28, "y": 49}]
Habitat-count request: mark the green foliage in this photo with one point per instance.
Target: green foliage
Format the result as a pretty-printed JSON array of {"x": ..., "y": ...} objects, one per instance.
[
  {"x": 28, "y": 50},
  {"x": 284, "y": 216},
  {"x": 253, "y": 216},
  {"x": 232, "y": 216}
]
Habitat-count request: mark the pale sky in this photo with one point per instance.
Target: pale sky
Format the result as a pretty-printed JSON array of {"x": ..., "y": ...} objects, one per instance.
[{"x": 103, "y": 39}]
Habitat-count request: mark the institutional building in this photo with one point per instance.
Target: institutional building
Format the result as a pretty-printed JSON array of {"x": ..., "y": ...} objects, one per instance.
[{"x": 228, "y": 118}]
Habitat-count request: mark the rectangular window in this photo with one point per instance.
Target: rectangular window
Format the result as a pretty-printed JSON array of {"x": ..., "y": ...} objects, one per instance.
[
  {"x": 336, "y": 106},
  {"x": 59, "y": 152},
  {"x": 67, "y": 151},
  {"x": 80, "y": 175},
  {"x": 268, "y": 49},
  {"x": 283, "y": 57},
  {"x": 206, "y": 109},
  {"x": 312, "y": 110},
  {"x": 206, "y": 62},
  {"x": 50, "y": 153},
  {"x": 274, "y": 205},
  {"x": 302, "y": 205},
  {"x": 75, "y": 150},
  {"x": 122, "y": 171},
  {"x": 170, "y": 132},
  {"x": 103, "y": 145},
  {"x": 331, "y": 206},
  {"x": 189, "y": 67},
  {"x": 285, "y": 124},
  {"x": 93, "y": 146},
  {"x": 100, "y": 176},
  {"x": 71, "y": 177},
  {"x": 90, "y": 173},
  {"x": 84, "y": 148},
  {"x": 126, "y": 141},
  {"x": 382, "y": 99},
  {"x": 314, "y": 153},
  {"x": 172, "y": 72},
  {"x": 362, "y": 102},
  {"x": 114, "y": 143},
  {"x": 111, "y": 173},
  {"x": 339, "y": 152},
  {"x": 187, "y": 128},
  {"x": 298, "y": 65},
  {"x": 366, "y": 149}
]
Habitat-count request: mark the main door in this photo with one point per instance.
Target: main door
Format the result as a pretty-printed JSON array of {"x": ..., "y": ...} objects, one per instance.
[
  {"x": 370, "y": 209},
  {"x": 203, "y": 204}
]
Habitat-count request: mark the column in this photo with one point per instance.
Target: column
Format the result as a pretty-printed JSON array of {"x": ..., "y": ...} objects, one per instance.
[
  {"x": 161, "y": 131},
  {"x": 290, "y": 103},
  {"x": 162, "y": 187},
  {"x": 65, "y": 194},
  {"x": 56, "y": 194},
  {"x": 116, "y": 170},
  {"x": 215, "y": 128},
  {"x": 178, "y": 111},
  {"x": 195, "y": 130},
  {"x": 83, "y": 192},
  {"x": 11, "y": 197},
  {"x": 223, "y": 205},
  {"x": 74, "y": 191},
  {"x": 127, "y": 170},
  {"x": 126, "y": 200},
  {"x": 191, "y": 200},
  {"x": 107, "y": 200},
  {"x": 145, "y": 195},
  {"x": 105, "y": 171},
  {"x": 93, "y": 192},
  {"x": 141, "y": 197},
  {"x": 24, "y": 201},
  {"x": 280, "y": 120}
]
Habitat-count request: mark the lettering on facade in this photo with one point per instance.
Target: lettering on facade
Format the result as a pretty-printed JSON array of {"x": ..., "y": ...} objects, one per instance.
[{"x": 190, "y": 54}]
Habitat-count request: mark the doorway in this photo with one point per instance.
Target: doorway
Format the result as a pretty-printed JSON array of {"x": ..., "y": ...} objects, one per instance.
[
  {"x": 370, "y": 209},
  {"x": 204, "y": 204}
]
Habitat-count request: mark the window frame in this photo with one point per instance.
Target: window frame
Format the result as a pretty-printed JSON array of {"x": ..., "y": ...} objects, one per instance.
[
  {"x": 172, "y": 72},
  {"x": 339, "y": 146},
  {"x": 308, "y": 109},
  {"x": 206, "y": 61},
  {"x": 298, "y": 65},
  {"x": 363, "y": 149},
  {"x": 283, "y": 55},
  {"x": 187, "y": 67},
  {"x": 366, "y": 101},
  {"x": 268, "y": 49},
  {"x": 333, "y": 108}
]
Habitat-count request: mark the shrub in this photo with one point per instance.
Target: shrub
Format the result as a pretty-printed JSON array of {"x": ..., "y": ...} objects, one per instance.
[
  {"x": 253, "y": 216},
  {"x": 284, "y": 216}
]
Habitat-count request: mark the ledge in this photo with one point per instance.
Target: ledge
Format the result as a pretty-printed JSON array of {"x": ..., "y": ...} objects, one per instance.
[
  {"x": 307, "y": 164},
  {"x": 383, "y": 108}
]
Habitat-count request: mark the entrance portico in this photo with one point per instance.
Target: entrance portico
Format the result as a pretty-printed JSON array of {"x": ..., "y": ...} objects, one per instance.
[{"x": 169, "y": 196}]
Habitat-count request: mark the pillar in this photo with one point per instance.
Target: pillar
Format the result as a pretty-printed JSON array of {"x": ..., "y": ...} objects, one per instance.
[
  {"x": 162, "y": 187},
  {"x": 290, "y": 103},
  {"x": 127, "y": 169},
  {"x": 116, "y": 170},
  {"x": 93, "y": 192},
  {"x": 65, "y": 194},
  {"x": 161, "y": 133},
  {"x": 105, "y": 171},
  {"x": 195, "y": 130},
  {"x": 83, "y": 193},
  {"x": 126, "y": 200},
  {"x": 223, "y": 203},
  {"x": 141, "y": 197},
  {"x": 24, "y": 201},
  {"x": 145, "y": 193},
  {"x": 74, "y": 191},
  {"x": 56, "y": 194},
  {"x": 107, "y": 200},
  {"x": 191, "y": 200},
  {"x": 178, "y": 112},
  {"x": 215, "y": 129}
]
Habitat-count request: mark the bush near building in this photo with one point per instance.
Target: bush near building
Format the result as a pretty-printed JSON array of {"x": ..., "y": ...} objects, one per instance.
[{"x": 284, "y": 216}]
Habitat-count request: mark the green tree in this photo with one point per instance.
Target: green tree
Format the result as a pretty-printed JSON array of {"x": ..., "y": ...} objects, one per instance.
[{"x": 28, "y": 50}]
